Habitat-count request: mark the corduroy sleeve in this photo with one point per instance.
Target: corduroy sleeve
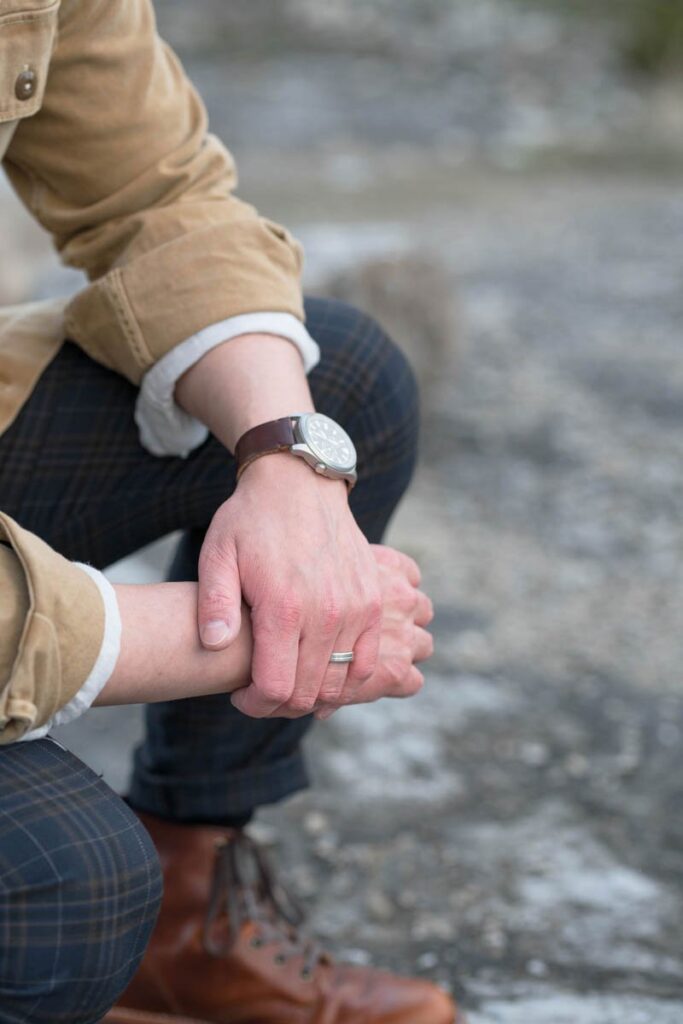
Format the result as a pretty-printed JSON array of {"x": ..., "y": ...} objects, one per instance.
[
  {"x": 51, "y": 629},
  {"x": 118, "y": 166}
]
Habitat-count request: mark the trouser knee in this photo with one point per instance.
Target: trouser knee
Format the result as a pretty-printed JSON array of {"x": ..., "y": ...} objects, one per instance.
[
  {"x": 81, "y": 887},
  {"x": 365, "y": 381}
]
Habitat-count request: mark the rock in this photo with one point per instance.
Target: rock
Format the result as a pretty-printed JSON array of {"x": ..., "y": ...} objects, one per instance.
[
  {"x": 433, "y": 926},
  {"x": 379, "y": 906},
  {"x": 316, "y": 823},
  {"x": 577, "y": 766},
  {"x": 427, "y": 961},
  {"x": 263, "y": 833},
  {"x": 536, "y": 755},
  {"x": 304, "y": 881},
  {"x": 413, "y": 299},
  {"x": 327, "y": 847}
]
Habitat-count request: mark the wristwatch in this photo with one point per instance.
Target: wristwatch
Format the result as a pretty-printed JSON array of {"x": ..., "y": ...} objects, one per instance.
[{"x": 313, "y": 437}]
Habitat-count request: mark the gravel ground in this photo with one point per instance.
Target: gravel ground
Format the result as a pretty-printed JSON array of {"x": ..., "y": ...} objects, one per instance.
[{"x": 515, "y": 831}]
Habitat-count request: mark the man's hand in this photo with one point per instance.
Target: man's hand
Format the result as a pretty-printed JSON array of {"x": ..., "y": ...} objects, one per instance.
[
  {"x": 288, "y": 542},
  {"x": 404, "y": 640}
]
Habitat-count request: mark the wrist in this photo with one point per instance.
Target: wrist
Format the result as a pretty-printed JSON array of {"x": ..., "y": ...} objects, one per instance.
[
  {"x": 278, "y": 470},
  {"x": 243, "y": 382},
  {"x": 161, "y": 657},
  {"x": 312, "y": 437}
]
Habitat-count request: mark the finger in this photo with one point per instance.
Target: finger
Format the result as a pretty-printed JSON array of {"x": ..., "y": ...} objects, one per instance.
[
  {"x": 394, "y": 559},
  {"x": 423, "y": 645},
  {"x": 333, "y": 685},
  {"x": 406, "y": 685},
  {"x": 315, "y": 674},
  {"x": 323, "y": 713},
  {"x": 336, "y": 677},
  {"x": 219, "y": 598},
  {"x": 424, "y": 610},
  {"x": 365, "y": 654},
  {"x": 412, "y": 684},
  {"x": 273, "y": 668},
  {"x": 340, "y": 687}
]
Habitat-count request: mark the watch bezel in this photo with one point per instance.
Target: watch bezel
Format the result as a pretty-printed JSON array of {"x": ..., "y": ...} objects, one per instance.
[{"x": 302, "y": 429}]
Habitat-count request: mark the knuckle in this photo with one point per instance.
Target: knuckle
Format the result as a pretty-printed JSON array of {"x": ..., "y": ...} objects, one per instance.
[
  {"x": 415, "y": 570},
  {"x": 364, "y": 665},
  {"x": 393, "y": 558},
  {"x": 289, "y": 612},
  {"x": 408, "y": 657},
  {"x": 213, "y": 557},
  {"x": 347, "y": 695},
  {"x": 258, "y": 711},
  {"x": 345, "y": 699},
  {"x": 417, "y": 681},
  {"x": 395, "y": 670},
  {"x": 330, "y": 695},
  {"x": 330, "y": 617},
  {"x": 374, "y": 607},
  {"x": 364, "y": 669},
  {"x": 406, "y": 638},
  {"x": 404, "y": 596},
  {"x": 276, "y": 691},
  {"x": 213, "y": 599},
  {"x": 300, "y": 704}
]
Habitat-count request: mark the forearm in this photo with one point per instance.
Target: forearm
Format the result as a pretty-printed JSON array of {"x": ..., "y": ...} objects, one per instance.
[
  {"x": 161, "y": 657},
  {"x": 247, "y": 380}
]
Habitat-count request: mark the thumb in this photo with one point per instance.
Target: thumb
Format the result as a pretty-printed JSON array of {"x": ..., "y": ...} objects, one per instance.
[{"x": 219, "y": 601}]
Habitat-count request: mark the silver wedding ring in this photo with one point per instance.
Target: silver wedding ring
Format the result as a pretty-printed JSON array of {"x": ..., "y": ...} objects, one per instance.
[{"x": 341, "y": 657}]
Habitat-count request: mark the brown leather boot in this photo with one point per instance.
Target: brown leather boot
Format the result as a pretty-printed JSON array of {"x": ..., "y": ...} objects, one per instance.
[{"x": 226, "y": 950}]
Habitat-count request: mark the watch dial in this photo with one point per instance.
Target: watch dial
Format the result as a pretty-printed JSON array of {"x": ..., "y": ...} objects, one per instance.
[{"x": 329, "y": 442}]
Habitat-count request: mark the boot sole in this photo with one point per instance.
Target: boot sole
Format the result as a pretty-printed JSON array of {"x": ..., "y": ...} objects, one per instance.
[
  {"x": 123, "y": 1016},
  {"x": 119, "y": 1015}
]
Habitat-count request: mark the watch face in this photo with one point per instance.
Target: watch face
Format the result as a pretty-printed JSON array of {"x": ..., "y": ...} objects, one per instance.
[{"x": 328, "y": 441}]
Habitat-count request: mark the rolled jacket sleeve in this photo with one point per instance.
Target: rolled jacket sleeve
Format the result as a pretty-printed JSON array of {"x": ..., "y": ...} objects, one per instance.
[
  {"x": 52, "y": 626},
  {"x": 118, "y": 166},
  {"x": 165, "y": 428}
]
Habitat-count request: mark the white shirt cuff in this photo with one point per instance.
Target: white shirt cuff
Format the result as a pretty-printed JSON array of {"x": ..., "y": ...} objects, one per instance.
[
  {"x": 165, "y": 428},
  {"x": 104, "y": 664}
]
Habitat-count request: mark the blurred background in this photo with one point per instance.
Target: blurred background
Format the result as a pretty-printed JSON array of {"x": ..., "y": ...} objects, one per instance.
[{"x": 501, "y": 184}]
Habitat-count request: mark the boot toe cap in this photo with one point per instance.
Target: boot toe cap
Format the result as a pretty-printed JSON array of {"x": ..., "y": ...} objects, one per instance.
[{"x": 389, "y": 999}]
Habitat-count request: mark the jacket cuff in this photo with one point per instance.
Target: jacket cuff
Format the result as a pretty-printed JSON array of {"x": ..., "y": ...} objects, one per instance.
[
  {"x": 105, "y": 664},
  {"x": 60, "y": 622},
  {"x": 165, "y": 428},
  {"x": 224, "y": 261}
]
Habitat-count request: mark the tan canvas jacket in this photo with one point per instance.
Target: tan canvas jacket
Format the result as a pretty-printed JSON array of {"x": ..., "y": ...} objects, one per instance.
[{"x": 105, "y": 141}]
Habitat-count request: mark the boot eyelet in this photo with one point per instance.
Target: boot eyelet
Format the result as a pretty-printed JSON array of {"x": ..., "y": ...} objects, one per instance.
[
  {"x": 256, "y": 942},
  {"x": 280, "y": 959},
  {"x": 306, "y": 974}
]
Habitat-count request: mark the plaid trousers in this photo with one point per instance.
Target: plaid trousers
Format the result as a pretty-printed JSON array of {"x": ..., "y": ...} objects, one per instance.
[{"x": 79, "y": 886}]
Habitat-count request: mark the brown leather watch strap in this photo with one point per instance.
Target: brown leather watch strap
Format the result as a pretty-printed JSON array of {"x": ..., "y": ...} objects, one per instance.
[{"x": 264, "y": 439}]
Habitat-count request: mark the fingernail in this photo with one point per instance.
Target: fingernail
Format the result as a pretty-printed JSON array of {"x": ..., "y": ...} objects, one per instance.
[
  {"x": 324, "y": 715},
  {"x": 214, "y": 632}
]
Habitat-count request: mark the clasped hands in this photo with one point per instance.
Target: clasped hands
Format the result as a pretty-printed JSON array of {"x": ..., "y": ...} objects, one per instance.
[{"x": 287, "y": 544}]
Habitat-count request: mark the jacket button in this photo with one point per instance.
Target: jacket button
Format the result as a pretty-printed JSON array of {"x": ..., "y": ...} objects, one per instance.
[{"x": 25, "y": 85}]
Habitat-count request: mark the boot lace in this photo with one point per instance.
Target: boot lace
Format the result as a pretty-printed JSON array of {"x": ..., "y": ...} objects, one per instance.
[{"x": 244, "y": 889}]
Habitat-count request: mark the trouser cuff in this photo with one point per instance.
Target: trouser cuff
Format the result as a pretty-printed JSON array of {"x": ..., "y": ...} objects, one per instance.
[{"x": 214, "y": 800}]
